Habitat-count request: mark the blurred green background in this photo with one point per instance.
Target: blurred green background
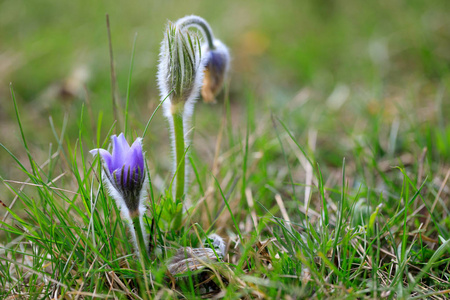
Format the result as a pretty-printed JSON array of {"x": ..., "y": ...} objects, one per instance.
[{"x": 349, "y": 73}]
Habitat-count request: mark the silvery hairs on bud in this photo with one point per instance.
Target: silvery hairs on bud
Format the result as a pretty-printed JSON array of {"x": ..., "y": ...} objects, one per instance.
[{"x": 180, "y": 69}]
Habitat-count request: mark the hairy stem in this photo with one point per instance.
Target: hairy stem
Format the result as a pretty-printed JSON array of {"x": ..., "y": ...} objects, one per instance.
[
  {"x": 143, "y": 255},
  {"x": 180, "y": 160},
  {"x": 200, "y": 23},
  {"x": 179, "y": 155}
]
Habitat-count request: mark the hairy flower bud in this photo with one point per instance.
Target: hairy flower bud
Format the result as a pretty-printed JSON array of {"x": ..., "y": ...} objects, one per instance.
[
  {"x": 217, "y": 63},
  {"x": 180, "y": 70},
  {"x": 216, "y": 57}
]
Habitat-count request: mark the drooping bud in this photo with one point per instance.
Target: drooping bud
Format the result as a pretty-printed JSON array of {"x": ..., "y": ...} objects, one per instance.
[
  {"x": 180, "y": 70},
  {"x": 216, "y": 57},
  {"x": 217, "y": 63}
]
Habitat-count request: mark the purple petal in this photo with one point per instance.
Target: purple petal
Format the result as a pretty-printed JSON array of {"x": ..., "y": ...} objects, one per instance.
[
  {"x": 120, "y": 181},
  {"x": 105, "y": 155},
  {"x": 125, "y": 162},
  {"x": 124, "y": 142},
  {"x": 120, "y": 149},
  {"x": 136, "y": 157},
  {"x": 216, "y": 61}
]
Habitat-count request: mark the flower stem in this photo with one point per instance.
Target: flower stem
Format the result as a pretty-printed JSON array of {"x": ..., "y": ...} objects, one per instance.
[
  {"x": 179, "y": 158},
  {"x": 200, "y": 23},
  {"x": 179, "y": 152},
  {"x": 143, "y": 255}
]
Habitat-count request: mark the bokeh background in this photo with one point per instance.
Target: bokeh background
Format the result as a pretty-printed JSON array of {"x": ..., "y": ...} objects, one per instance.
[{"x": 365, "y": 79}]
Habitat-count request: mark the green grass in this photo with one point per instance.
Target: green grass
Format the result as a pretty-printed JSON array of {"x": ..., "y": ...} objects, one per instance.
[{"x": 325, "y": 164}]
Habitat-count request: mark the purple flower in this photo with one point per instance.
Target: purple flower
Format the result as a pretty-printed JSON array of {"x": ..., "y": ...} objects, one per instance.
[{"x": 124, "y": 171}]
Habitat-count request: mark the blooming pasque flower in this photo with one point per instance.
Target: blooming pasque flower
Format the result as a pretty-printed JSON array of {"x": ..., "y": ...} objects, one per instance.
[
  {"x": 124, "y": 173},
  {"x": 217, "y": 61}
]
